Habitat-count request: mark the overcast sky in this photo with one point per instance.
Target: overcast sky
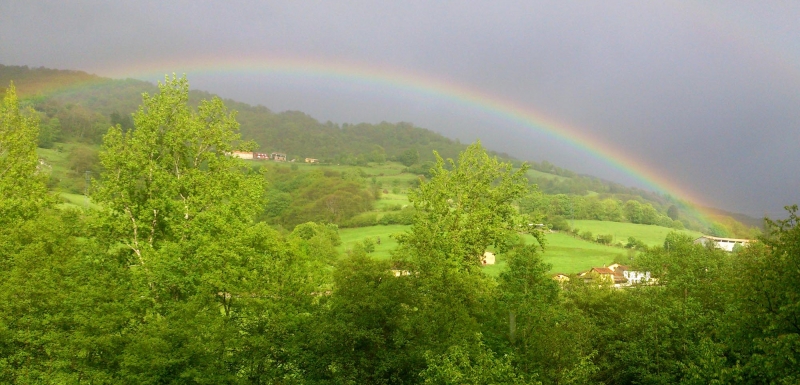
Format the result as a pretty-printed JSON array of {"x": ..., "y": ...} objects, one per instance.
[{"x": 702, "y": 95}]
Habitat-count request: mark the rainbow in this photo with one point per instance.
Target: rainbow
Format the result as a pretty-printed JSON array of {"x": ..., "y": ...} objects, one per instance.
[{"x": 418, "y": 84}]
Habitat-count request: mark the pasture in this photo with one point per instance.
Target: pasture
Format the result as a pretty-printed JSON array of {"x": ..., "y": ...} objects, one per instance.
[
  {"x": 651, "y": 235},
  {"x": 565, "y": 253}
]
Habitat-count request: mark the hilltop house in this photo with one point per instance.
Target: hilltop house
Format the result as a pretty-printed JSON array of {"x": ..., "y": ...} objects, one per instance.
[
  {"x": 726, "y": 244},
  {"x": 242, "y": 154}
]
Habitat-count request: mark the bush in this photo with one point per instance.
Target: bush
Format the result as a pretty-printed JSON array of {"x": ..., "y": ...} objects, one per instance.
[
  {"x": 396, "y": 207},
  {"x": 586, "y": 235},
  {"x": 605, "y": 239},
  {"x": 634, "y": 243},
  {"x": 559, "y": 223},
  {"x": 362, "y": 220},
  {"x": 402, "y": 217}
]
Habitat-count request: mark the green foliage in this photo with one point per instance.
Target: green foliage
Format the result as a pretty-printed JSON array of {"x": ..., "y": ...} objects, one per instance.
[
  {"x": 765, "y": 306},
  {"x": 170, "y": 176},
  {"x": 318, "y": 195},
  {"x": 604, "y": 239},
  {"x": 470, "y": 363},
  {"x": 22, "y": 188},
  {"x": 460, "y": 212},
  {"x": 559, "y": 223},
  {"x": 409, "y": 157},
  {"x": 634, "y": 243}
]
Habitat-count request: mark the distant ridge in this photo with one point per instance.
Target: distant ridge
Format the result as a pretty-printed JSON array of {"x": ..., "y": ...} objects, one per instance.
[{"x": 41, "y": 80}]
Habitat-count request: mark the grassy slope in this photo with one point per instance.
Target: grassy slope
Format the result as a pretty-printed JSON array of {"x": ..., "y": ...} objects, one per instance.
[
  {"x": 651, "y": 235},
  {"x": 382, "y": 251},
  {"x": 566, "y": 253},
  {"x": 539, "y": 174}
]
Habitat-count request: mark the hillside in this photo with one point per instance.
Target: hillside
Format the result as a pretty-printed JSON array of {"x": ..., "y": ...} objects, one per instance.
[{"x": 76, "y": 107}]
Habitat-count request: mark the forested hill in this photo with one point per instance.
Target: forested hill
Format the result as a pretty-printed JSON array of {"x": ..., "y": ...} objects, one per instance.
[
  {"x": 80, "y": 107},
  {"x": 86, "y": 105}
]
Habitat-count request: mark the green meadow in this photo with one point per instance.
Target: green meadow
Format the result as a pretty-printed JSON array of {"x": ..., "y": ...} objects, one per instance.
[
  {"x": 651, "y": 235},
  {"x": 564, "y": 252}
]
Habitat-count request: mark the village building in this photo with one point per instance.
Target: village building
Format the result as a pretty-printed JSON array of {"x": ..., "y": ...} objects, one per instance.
[
  {"x": 242, "y": 154},
  {"x": 617, "y": 275},
  {"x": 312, "y": 160},
  {"x": 726, "y": 244},
  {"x": 278, "y": 156},
  {"x": 260, "y": 156},
  {"x": 488, "y": 258},
  {"x": 561, "y": 277}
]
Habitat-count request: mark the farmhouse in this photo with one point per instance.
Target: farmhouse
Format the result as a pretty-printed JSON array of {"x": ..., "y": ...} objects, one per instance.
[
  {"x": 726, "y": 244},
  {"x": 260, "y": 156},
  {"x": 616, "y": 274},
  {"x": 487, "y": 258},
  {"x": 242, "y": 154},
  {"x": 278, "y": 156},
  {"x": 561, "y": 277},
  {"x": 312, "y": 160}
]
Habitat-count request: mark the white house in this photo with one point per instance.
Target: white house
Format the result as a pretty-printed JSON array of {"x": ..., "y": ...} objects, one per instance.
[
  {"x": 488, "y": 258},
  {"x": 726, "y": 244}
]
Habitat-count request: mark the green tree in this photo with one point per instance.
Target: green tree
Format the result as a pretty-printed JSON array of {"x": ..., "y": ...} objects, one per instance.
[
  {"x": 672, "y": 212},
  {"x": 764, "y": 329},
  {"x": 634, "y": 211},
  {"x": 409, "y": 157},
  {"x": 50, "y": 133},
  {"x": 172, "y": 173},
  {"x": 212, "y": 292},
  {"x": 22, "y": 185},
  {"x": 460, "y": 211}
]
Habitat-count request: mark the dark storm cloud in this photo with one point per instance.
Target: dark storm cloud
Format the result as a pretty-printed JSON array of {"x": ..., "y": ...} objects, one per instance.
[{"x": 703, "y": 94}]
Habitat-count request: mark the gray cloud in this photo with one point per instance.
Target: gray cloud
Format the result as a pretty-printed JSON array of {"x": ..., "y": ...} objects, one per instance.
[{"x": 702, "y": 94}]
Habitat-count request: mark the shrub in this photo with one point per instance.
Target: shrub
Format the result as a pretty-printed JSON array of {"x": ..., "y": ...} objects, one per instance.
[
  {"x": 559, "y": 223},
  {"x": 362, "y": 220},
  {"x": 605, "y": 239},
  {"x": 402, "y": 217}
]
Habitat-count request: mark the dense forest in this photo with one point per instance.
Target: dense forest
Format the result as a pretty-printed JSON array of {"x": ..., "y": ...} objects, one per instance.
[{"x": 176, "y": 277}]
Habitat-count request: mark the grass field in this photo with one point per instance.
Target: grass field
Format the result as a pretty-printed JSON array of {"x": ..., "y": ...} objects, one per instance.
[
  {"x": 571, "y": 255},
  {"x": 566, "y": 253},
  {"x": 539, "y": 174},
  {"x": 649, "y": 234},
  {"x": 77, "y": 201},
  {"x": 382, "y": 251}
]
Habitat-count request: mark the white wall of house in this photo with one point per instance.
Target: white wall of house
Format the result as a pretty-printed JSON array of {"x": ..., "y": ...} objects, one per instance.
[{"x": 243, "y": 155}]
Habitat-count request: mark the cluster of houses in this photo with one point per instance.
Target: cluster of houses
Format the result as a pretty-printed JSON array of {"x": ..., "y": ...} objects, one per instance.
[
  {"x": 615, "y": 274},
  {"x": 622, "y": 276},
  {"x": 276, "y": 156}
]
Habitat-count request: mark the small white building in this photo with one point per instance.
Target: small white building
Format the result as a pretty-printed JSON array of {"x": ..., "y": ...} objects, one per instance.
[
  {"x": 488, "y": 258},
  {"x": 726, "y": 244}
]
